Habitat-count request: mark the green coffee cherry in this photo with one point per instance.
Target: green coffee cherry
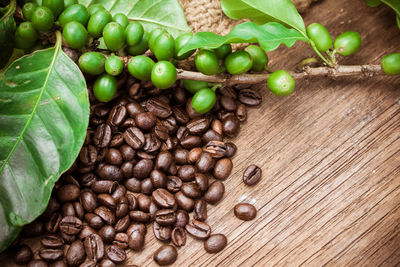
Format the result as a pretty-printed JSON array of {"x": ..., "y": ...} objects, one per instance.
[
  {"x": 260, "y": 58},
  {"x": 154, "y": 35},
  {"x": 97, "y": 22},
  {"x": 27, "y": 32},
  {"x": 373, "y": 3},
  {"x": 56, "y": 6},
  {"x": 320, "y": 36},
  {"x": 204, "y": 100},
  {"x": 391, "y": 64},
  {"x": 281, "y": 83},
  {"x": 76, "y": 13},
  {"x": 68, "y": 3},
  {"x": 114, "y": 65},
  {"x": 42, "y": 19},
  {"x": 105, "y": 87},
  {"x": 140, "y": 67},
  {"x": 180, "y": 42},
  {"x": 193, "y": 86},
  {"x": 92, "y": 63},
  {"x": 238, "y": 62},
  {"x": 347, "y": 43},
  {"x": 121, "y": 19},
  {"x": 134, "y": 33},
  {"x": 27, "y": 11},
  {"x": 94, "y": 8},
  {"x": 206, "y": 62},
  {"x": 164, "y": 47},
  {"x": 139, "y": 48},
  {"x": 163, "y": 74},
  {"x": 75, "y": 35},
  {"x": 223, "y": 51},
  {"x": 114, "y": 36}
]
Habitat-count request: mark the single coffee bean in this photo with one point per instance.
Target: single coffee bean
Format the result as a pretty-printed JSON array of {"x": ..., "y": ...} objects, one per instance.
[
  {"x": 181, "y": 156},
  {"x": 145, "y": 120},
  {"x": 88, "y": 155},
  {"x": 68, "y": 192},
  {"x": 103, "y": 186},
  {"x": 194, "y": 154},
  {"x": 133, "y": 185},
  {"x": 68, "y": 239},
  {"x": 88, "y": 179},
  {"x": 217, "y": 149},
  {"x": 228, "y": 91},
  {"x": 215, "y": 243},
  {"x": 106, "y": 200},
  {"x": 52, "y": 224},
  {"x": 198, "y": 229},
  {"x": 59, "y": 263},
  {"x": 152, "y": 210},
  {"x": 107, "y": 233},
  {"x": 143, "y": 202},
  {"x": 88, "y": 200},
  {"x": 133, "y": 202},
  {"x": 146, "y": 186},
  {"x": 107, "y": 263},
  {"x": 122, "y": 224},
  {"x": 101, "y": 110},
  {"x": 116, "y": 254},
  {"x": 145, "y": 155},
  {"x": 23, "y": 254},
  {"x": 139, "y": 216},
  {"x": 70, "y": 225},
  {"x": 75, "y": 254},
  {"x": 227, "y": 103},
  {"x": 215, "y": 192},
  {"x": 102, "y": 135},
  {"x": 184, "y": 202},
  {"x": 250, "y": 97},
  {"x": 67, "y": 209},
  {"x": 94, "y": 220},
  {"x": 165, "y": 217},
  {"x": 50, "y": 254},
  {"x": 152, "y": 144},
  {"x": 136, "y": 239},
  {"x": 245, "y": 211},
  {"x": 127, "y": 152},
  {"x": 113, "y": 156},
  {"x": 134, "y": 137},
  {"x": 201, "y": 181},
  {"x": 121, "y": 240},
  {"x": 191, "y": 141},
  {"x": 143, "y": 168},
  {"x": 170, "y": 124},
  {"x": 162, "y": 233},
  {"x": 241, "y": 112},
  {"x": 211, "y": 135},
  {"x": 161, "y": 131},
  {"x": 134, "y": 108},
  {"x": 186, "y": 173},
  {"x": 165, "y": 255},
  {"x": 182, "y": 218},
  {"x": 180, "y": 115},
  {"x": 129, "y": 122},
  {"x": 37, "y": 263},
  {"x": 178, "y": 236},
  {"x": 117, "y": 115},
  {"x": 159, "y": 108},
  {"x": 110, "y": 172},
  {"x": 88, "y": 263},
  {"x": 231, "y": 126},
  {"x": 174, "y": 184},
  {"x": 182, "y": 132},
  {"x": 222, "y": 168},
  {"x": 200, "y": 210},
  {"x": 205, "y": 163},
  {"x": 119, "y": 192},
  {"x": 163, "y": 198},
  {"x": 158, "y": 179},
  {"x": 106, "y": 214},
  {"x": 252, "y": 175},
  {"x": 117, "y": 140},
  {"x": 164, "y": 160},
  {"x": 79, "y": 211},
  {"x": 94, "y": 247},
  {"x": 198, "y": 126},
  {"x": 230, "y": 150},
  {"x": 216, "y": 126},
  {"x": 127, "y": 169},
  {"x": 136, "y": 227},
  {"x": 86, "y": 231},
  {"x": 191, "y": 190},
  {"x": 52, "y": 241}
]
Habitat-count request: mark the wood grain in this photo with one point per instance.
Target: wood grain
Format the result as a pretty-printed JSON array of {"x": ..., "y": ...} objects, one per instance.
[{"x": 330, "y": 155}]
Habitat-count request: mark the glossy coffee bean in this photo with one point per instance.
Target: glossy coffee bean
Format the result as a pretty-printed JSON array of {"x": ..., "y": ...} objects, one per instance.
[
  {"x": 86, "y": 231},
  {"x": 136, "y": 238},
  {"x": 23, "y": 254},
  {"x": 163, "y": 198},
  {"x": 88, "y": 155},
  {"x": 186, "y": 173},
  {"x": 122, "y": 224},
  {"x": 133, "y": 185},
  {"x": 228, "y": 103},
  {"x": 211, "y": 135},
  {"x": 146, "y": 186},
  {"x": 191, "y": 190},
  {"x": 88, "y": 200},
  {"x": 107, "y": 233},
  {"x": 127, "y": 152},
  {"x": 184, "y": 202},
  {"x": 50, "y": 254},
  {"x": 215, "y": 192},
  {"x": 202, "y": 181},
  {"x": 178, "y": 236},
  {"x": 145, "y": 120},
  {"x": 52, "y": 225},
  {"x": 230, "y": 149},
  {"x": 200, "y": 210},
  {"x": 241, "y": 112},
  {"x": 205, "y": 163},
  {"x": 116, "y": 254},
  {"x": 94, "y": 220},
  {"x": 245, "y": 211},
  {"x": 94, "y": 247},
  {"x": 139, "y": 216},
  {"x": 180, "y": 115},
  {"x": 110, "y": 172},
  {"x": 52, "y": 241},
  {"x": 216, "y": 125},
  {"x": 159, "y": 108},
  {"x": 133, "y": 202},
  {"x": 134, "y": 108},
  {"x": 252, "y": 175},
  {"x": 164, "y": 160},
  {"x": 182, "y": 218},
  {"x": 121, "y": 240},
  {"x": 231, "y": 126},
  {"x": 215, "y": 243},
  {"x": 198, "y": 229},
  {"x": 102, "y": 135},
  {"x": 198, "y": 126},
  {"x": 127, "y": 169},
  {"x": 106, "y": 214},
  {"x": 217, "y": 149},
  {"x": 191, "y": 141},
  {"x": 222, "y": 168},
  {"x": 75, "y": 254},
  {"x": 107, "y": 263},
  {"x": 103, "y": 186},
  {"x": 174, "y": 184},
  {"x": 134, "y": 137},
  {"x": 106, "y": 200},
  {"x": 250, "y": 97},
  {"x": 114, "y": 156},
  {"x": 119, "y": 192},
  {"x": 70, "y": 225},
  {"x": 194, "y": 154},
  {"x": 117, "y": 115},
  {"x": 143, "y": 202},
  {"x": 162, "y": 233},
  {"x": 68, "y": 192},
  {"x": 165, "y": 217},
  {"x": 158, "y": 179},
  {"x": 165, "y": 255},
  {"x": 117, "y": 140},
  {"x": 143, "y": 168}
]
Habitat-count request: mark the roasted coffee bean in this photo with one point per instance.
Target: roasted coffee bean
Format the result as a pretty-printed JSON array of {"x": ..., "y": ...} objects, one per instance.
[
  {"x": 134, "y": 108},
  {"x": 205, "y": 163},
  {"x": 102, "y": 135},
  {"x": 88, "y": 155},
  {"x": 191, "y": 190},
  {"x": 184, "y": 202},
  {"x": 143, "y": 202},
  {"x": 198, "y": 229},
  {"x": 139, "y": 216},
  {"x": 161, "y": 131},
  {"x": 110, "y": 172},
  {"x": 215, "y": 243},
  {"x": 127, "y": 152},
  {"x": 67, "y": 209},
  {"x": 182, "y": 132},
  {"x": 230, "y": 149},
  {"x": 70, "y": 225},
  {"x": 217, "y": 149},
  {"x": 252, "y": 175},
  {"x": 201, "y": 181},
  {"x": 165, "y": 255},
  {"x": 134, "y": 137},
  {"x": 182, "y": 218},
  {"x": 171, "y": 124},
  {"x": 68, "y": 192},
  {"x": 37, "y": 263},
  {"x": 228, "y": 103},
  {"x": 117, "y": 115},
  {"x": 186, "y": 173},
  {"x": 228, "y": 91},
  {"x": 211, "y": 135},
  {"x": 164, "y": 160},
  {"x": 94, "y": 247},
  {"x": 68, "y": 239},
  {"x": 132, "y": 202},
  {"x": 113, "y": 156},
  {"x": 94, "y": 121},
  {"x": 245, "y": 211},
  {"x": 106, "y": 200},
  {"x": 216, "y": 126},
  {"x": 146, "y": 186},
  {"x": 121, "y": 240},
  {"x": 94, "y": 220},
  {"x": 163, "y": 198},
  {"x": 145, "y": 155},
  {"x": 241, "y": 112},
  {"x": 86, "y": 231},
  {"x": 200, "y": 210},
  {"x": 117, "y": 140},
  {"x": 174, "y": 184},
  {"x": 52, "y": 241},
  {"x": 179, "y": 95},
  {"x": 143, "y": 168},
  {"x": 52, "y": 207},
  {"x": 178, "y": 236},
  {"x": 231, "y": 125},
  {"x": 116, "y": 254},
  {"x": 162, "y": 233},
  {"x": 88, "y": 179},
  {"x": 75, "y": 254},
  {"x": 181, "y": 156},
  {"x": 215, "y": 192},
  {"x": 165, "y": 217},
  {"x": 145, "y": 120},
  {"x": 53, "y": 223},
  {"x": 133, "y": 185},
  {"x": 250, "y": 97},
  {"x": 222, "y": 168},
  {"x": 158, "y": 179},
  {"x": 158, "y": 108},
  {"x": 79, "y": 211},
  {"x": 180, "y": 115},
  {"x": 23, "y": 254},
  {"x": 59, "y": 263},
  {"x": 152, "y": 210},
  {"x": 198, "y": 126},
  {"x": 191, "y": 141},
  {"x": 106, "y": 214},
  {"x": 152, "y": 144},
  {"x": 136, "y": 237},
  {"x": 119, "y": 192},
  {"x": 50, "y": 254},
  {"x": 107, "y": 263},
  {"x": 127, "y": 169},
  {"x": 122, "y": 224},
  {"x": 88, "y": 200},
  {"x": 222, "y": 114},
  {"x": 107, "y": 233},
  {"x": 104, "y": 186},
  {"x": 194, "y": 154}
]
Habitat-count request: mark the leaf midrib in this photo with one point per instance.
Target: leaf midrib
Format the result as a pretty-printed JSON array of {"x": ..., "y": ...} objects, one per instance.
[{"x": 57, "y": 49}]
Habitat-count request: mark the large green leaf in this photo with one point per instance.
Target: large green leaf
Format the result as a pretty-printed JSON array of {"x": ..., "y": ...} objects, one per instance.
[
  {"x": 44, "y": 113},
  {"x": 395, "y": 5},
  {"x": 152, "y": 14},
  {"x": 269, "y": 36},
  {"x": 7, "y": 30},
  {"x": 262, "y": 11}
]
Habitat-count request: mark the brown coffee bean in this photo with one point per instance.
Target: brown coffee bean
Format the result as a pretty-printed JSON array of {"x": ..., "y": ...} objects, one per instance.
[
  {"x": 164, "y": 160},
  {"x": 37, "y": 263},
  {"x": 241, "y": 112},
  {"x": 68, "y": 239},
  {"x": 216, "y": 126},
  {"x": 134, "y": 108},
  {"x": 201, "y": 181},
  {"x": 107, "y": 233},
  {"x": 119, "y": 192},
  {"x": 67, "y": 209},
  {"x": 198, "y": 229},
  {"x": 250, "y": 97},
  {"x": 133, "y": 185},
  {"x": 143, "y": 168},
  {"x": 106, "y": 214},
  {"x": 231, "y": 126},
  {"x": 52, "y": 207},
  {"x": 121, "y": 240},
  {"x": 139, "y": 216},
  {"x": 163, "y": 198},
  {"x": 158, "y": 179},
  {"x": 68, "y": 192},
  {"x": 165, "y": 255},
  {"x": 182, "y": 218},
  {"x": 194, "y": 154},
  {"x": 217, "y": 149},
  {"x": 23, "y": 254},
  {"x": 158, "y": 108},
  {"x": 116, "y": 254},
  {"x": 146, "y": 186},
  {"x": 186, "y": 173},
  {"x": 117, "y": 140},
  {"x": 132, "y": 201},
  {"x": 245, "y": 211},
  {"x": 182, "y": 132},
  {"x": 178, "y": 236},
  {"x": 117, "y": 115},
  {"x": 102, "y": 135},
  {"x": 134, "y": 137},
  {"x": 88, "y": 155},
  {"x": 174, "y": 184},
  {"x": 88, "y": 200},
  {"x": 122, "y": 224},
  {"x": 70, "y": 225},
  {"x": 171, "y": 124},
  {"x": 107, "y": 263},
  {"x": 36, "y": 228},
  {"x": 215, "y": 192},
  {"x": 152, "y": 144},
  {"x": 50, "y": 254},
  {"x": 215, "y": 243},
  {"x": 104, "y": 186},
  {"x": 184, "y": 202},
  {"x": 127, "y": 152},
  {"x": 59, "y": 263},
  {"x": 205, "y": 163},
  {"x": 143, "y": 202},
  {"x": 180, "y": 115},
  {"x": 75, "y": 254},
  {"x": 230, "y": 150},
  {"x": 106, "y": 200},
  {"x": 211, "y": 135},
  {"x": 191, "y": 190},
  {"x": 94, "y": 220},
  {"x": 228, "y": 103},
  {"x": 198, "y": 126},
  {"x": 110, "y": 172},
  {"x": 222, "y": 168},
  {"x": 145, "y": 120},
  {"x": 94, "y": 247},
  {"x": 136, "y": 235},
  {"x": 162, "y": 233},
  {"x": 191, "y": 141},
  {"x": 200, "y": 210},
  {"x": 52, "y": 241},
  {"x": 86, "y": 231},
  {"x": 165, "y": 217},
  {"x": 113, "y": 156},
  {"x": 252, "y": 175}
]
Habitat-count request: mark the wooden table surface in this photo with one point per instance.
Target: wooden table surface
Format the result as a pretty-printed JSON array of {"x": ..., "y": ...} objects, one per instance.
[{"x": 330, "y": 156}]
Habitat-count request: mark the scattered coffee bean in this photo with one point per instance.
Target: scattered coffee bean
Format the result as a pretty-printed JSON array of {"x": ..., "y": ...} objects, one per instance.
[
  {"x": 23, "y": 254},
  {"x": 198, "y": 229},
  {"x": 252, "y": 175},
  {"x": 178, "y": 236},
  {"x": 215, "y": 192},
  {"x": 245, "y": 211},
  {"x": 94, "y": 247},
  {"x": 215, "y": 243},
  {"x": 222, "y": 168},
  {"x": 165, "y": 255},
  {"x": 116, "y": 254},
  {"x": 75, "y": 254}
]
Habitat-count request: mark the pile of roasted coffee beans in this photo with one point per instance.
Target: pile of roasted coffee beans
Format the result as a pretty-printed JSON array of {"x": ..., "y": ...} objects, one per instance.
[{"x": 148, "y": 158}]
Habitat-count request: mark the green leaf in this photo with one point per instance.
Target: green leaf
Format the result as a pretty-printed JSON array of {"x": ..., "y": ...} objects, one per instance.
[
  {"x": 395, "y": 5},
  {"x": 7, "y": 30},
  {"x": 398, "y": 21},
  {"x": 261, "y": 11},
  {"x": 269, "y": 36},
  {"x": 44, "y": 114},
  {"x": 152, "y": 14}
]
